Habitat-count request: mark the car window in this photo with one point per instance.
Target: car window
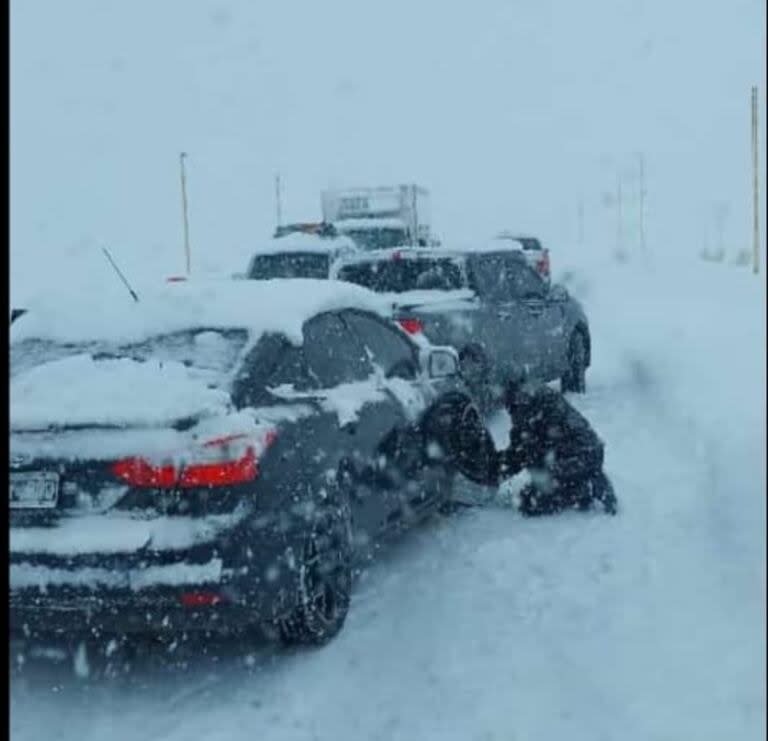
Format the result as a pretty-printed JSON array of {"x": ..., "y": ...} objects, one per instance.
[
  {"x": 389, "y": 349},
  {"x": 289, "y": 265},
  {"x": 523, "y": 281},
  {"x": 400, "y": 275},
  {"x": 502, "y": 278},
  {"x": 211, "y": 352},
  {"x": 272, "y": 362},
  {"x": 333, "y": 354}
]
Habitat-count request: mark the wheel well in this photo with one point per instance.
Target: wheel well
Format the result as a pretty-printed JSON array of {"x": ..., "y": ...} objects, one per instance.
[{"x": 581, "y": 329}]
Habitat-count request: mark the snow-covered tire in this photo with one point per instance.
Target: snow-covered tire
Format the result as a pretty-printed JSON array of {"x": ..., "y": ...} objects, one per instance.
[
  {"x": 324, "y": 581},
  {"x": 575, "y": 378},
  {"x": 457, "y": 426}
]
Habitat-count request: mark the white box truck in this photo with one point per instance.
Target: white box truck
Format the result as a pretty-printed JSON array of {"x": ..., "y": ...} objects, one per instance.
[{"x": 380, "y": 218}]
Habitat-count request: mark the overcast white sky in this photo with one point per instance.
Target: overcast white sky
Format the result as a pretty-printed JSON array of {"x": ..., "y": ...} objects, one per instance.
[{"x": 509, "y": 111}]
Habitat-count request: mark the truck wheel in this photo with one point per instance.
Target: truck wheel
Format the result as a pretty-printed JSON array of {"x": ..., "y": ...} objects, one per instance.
[
  {"x": 575, "y": 378},
  {"x": 324, "y": 582}
]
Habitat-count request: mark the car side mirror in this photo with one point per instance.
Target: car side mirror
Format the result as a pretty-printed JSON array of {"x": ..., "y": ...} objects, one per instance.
[{"x": 442, "y": 362}]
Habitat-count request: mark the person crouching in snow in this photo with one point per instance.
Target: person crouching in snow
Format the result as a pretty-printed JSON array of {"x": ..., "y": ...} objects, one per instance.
[{"x": 554, "y": 460}]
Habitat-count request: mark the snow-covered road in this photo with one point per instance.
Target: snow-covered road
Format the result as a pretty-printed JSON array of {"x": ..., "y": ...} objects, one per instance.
[{"x": 485, "y": 625}]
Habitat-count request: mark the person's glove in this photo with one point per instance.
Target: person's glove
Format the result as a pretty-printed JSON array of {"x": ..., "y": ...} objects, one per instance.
[{"x": 508, "y": 464}]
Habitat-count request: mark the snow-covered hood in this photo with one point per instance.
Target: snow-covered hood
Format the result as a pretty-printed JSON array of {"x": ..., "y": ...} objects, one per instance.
[{"x": 120, "y": 392}]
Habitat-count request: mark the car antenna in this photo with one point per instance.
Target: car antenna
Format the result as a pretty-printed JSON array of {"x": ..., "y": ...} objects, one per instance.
[{"x": 122, "y": 277}]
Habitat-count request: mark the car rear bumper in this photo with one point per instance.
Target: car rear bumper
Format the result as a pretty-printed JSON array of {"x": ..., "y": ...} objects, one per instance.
[{"x": 204, "y": 588}]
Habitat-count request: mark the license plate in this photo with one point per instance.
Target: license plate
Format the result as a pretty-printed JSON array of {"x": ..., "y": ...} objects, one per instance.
[{"x": 34, "y": 490}]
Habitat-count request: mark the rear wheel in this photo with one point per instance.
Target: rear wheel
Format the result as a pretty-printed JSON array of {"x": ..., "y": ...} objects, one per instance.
[
  {"x": 324, "y": 582},
  {"x": 575, "y": 378}
]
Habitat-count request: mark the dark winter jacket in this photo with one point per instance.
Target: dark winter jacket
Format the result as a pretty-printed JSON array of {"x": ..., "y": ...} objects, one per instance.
[{"x": 548, "y": 433}]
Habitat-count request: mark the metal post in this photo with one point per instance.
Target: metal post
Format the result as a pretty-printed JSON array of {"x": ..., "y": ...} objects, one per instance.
[
  {"x": 187, "y": 254},
  {"x": 278, "y": 202},
  {"x": 755, "y": 186}
]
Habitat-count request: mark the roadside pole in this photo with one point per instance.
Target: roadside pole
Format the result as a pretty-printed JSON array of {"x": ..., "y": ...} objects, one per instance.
[
  {"x": 755, "y": 186},
  {"x": 187, "y": 254}
]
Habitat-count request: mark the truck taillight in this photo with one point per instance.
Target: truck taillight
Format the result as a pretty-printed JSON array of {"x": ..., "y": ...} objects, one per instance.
[
  {"x": 411, "y": 326},
  {"x": 542, "y": 264},
  {"x": 220, "y": 462}
]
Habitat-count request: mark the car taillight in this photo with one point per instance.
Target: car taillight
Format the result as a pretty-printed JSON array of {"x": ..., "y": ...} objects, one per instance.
[
  {"x": 542, "y": 264},
  {"x": 220, "y": 462},
  {"x": 412, "y": 326}
]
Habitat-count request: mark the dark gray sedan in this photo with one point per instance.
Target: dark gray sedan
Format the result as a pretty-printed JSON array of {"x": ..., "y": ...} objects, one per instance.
[
  {"x": 487, "y": 303},
  {"x": 219, "y": 456}
]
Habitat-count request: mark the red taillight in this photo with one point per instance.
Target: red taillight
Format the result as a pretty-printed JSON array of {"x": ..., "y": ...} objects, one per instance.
[
  {"x": 220, "y": 462},
  {"x": 412, "y": 326},
  {"x": 542, "y": 265},
  {"x": 200, "y": 599}
]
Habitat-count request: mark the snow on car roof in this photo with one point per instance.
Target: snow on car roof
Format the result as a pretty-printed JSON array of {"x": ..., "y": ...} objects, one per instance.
[
  {"x": 435, "y": 253},
  {"x": 301, "y": 242},
  {"x": 374, "y": 222},
  {"x": 260, "y": 307}
]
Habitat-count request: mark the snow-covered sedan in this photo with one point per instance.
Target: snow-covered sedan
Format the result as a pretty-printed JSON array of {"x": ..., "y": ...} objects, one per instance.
[{"x": 216, "y": 455}]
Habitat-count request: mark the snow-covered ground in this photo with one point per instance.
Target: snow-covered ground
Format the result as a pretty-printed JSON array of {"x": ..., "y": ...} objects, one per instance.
[{"x": 484, "y": 625}]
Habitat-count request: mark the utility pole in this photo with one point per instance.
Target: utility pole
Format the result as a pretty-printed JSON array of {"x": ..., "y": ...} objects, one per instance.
[
  {"x": 755, "y": 186},
  {"x": 185, "y": 210},
  {"x": 278, "y": 201},
  {"x": 641, "y": 157}
]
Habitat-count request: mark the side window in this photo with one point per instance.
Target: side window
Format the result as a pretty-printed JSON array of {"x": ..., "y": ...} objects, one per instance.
[
  {"x": 272, "y": 362},
  {"x": 334, "y": 355},
  {"x": 501, "y": 278},
  {"x": 523, "y": 281},
  {"x": 387, "y": 347},
  {"x": 489, "y": 274}
]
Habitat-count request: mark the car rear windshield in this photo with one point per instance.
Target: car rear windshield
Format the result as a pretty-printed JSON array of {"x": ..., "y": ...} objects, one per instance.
[
  {"x": 293, "y": 265},
  {"x": 377, "y": 239},
  {"x": 212, "y": 352},
  {"x": 399, "y": 276}
]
